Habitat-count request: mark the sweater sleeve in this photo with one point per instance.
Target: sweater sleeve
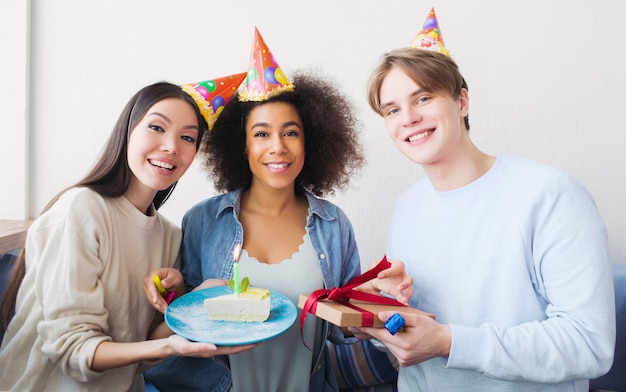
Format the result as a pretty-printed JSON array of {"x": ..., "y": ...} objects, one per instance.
[
  {"x": 572, "y": 271},
  {"x": 69, "y": 289}
]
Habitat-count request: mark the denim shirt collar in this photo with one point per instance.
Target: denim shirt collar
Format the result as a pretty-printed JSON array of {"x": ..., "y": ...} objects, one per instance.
[{"x": 233, "y": 200}]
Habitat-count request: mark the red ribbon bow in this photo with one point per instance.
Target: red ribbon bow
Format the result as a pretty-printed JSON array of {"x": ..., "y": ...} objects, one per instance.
[{"x": 343, "y": 295}]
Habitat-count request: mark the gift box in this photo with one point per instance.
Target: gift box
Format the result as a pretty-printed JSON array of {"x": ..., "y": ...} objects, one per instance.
[
  {"x": 346, "y": 307},
  {"x": 344, "y": 316}
]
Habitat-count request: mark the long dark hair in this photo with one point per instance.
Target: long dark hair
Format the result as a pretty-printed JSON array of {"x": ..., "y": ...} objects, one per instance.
[{"x": 111, "y": 175}]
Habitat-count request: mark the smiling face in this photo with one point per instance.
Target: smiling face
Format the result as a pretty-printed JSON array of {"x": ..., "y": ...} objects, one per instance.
[
  {"x": 275, "y": 145},
  {"x": 425, "y": 126},
  {"x": 161, "y": 148}
]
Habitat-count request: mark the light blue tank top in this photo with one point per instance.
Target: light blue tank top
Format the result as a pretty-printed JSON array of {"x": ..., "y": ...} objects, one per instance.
[{"x": 282, "y": 363}]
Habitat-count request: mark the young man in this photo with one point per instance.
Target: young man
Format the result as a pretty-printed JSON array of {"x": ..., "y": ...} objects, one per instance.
[{"x": 510, "y": 255}]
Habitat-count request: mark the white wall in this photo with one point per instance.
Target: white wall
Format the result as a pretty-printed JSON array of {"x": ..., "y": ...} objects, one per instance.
[
  {"x": 13, "y": 108},
  {"x": 546, "y": 79}
]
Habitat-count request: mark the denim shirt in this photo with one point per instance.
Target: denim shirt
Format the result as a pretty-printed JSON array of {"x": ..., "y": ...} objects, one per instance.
[{"x": 211, "y": 230}]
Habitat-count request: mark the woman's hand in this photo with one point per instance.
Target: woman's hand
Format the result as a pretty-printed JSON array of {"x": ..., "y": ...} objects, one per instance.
[
  {"x": 211, "y": 283},
  {"x": 393, "y": 281},
  {"x": 109, "y": 355},
  {"x": 171, "y": 279},
  {"x": 183, "y": 347}
]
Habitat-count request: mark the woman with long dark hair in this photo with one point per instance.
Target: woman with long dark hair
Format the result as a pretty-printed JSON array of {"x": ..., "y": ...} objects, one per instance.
[{"x": 74, "y": 311}]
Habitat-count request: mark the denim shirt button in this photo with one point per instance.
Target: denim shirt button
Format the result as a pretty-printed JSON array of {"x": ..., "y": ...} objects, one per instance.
[{"x": 322, "y": 256}]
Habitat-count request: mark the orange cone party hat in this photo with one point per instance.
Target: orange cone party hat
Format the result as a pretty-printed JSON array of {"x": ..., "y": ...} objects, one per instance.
[
  {"x": 212, "y": 95},
  {"x": 429, "y": 37},
  {"x": 265, "y": 77}
]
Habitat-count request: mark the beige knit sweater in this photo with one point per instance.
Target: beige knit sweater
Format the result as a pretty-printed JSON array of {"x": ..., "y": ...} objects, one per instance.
[{"x": 86, "y": 260}]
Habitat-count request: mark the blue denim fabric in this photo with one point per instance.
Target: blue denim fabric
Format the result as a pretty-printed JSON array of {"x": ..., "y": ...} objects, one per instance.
[
  {"x": 180, "y": 374},
  {"x": 211, "y": 229}
]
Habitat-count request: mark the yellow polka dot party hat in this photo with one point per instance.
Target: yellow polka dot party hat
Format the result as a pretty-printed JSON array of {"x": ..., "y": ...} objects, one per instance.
[{"x": 212, "y": 95}]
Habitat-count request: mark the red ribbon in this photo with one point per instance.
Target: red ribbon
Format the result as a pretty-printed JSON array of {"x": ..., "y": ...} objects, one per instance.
[{"x": 343, "y": 294}]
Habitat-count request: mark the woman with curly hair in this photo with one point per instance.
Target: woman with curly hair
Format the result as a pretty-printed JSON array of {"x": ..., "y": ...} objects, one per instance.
[
  {"x": 328, "y": 131},
  {"x": 274, "y": 159}
]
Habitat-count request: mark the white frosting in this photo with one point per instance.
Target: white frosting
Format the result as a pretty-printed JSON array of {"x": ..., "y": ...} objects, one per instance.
[{"x": 237, "y": 308}]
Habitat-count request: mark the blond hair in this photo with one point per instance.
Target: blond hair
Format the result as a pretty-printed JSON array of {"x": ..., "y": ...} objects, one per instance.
[{"x": 432, "y": 71}]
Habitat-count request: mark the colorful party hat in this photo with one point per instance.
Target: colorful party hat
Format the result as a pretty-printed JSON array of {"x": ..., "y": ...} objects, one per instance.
[
  {"x": 212, "y": 95},
  {"x": 265, "y": 77},
  {"x": 429, "y": 37}
]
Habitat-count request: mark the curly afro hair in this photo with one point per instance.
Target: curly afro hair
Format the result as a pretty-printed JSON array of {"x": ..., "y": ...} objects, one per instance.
[{"x": 332, "y": 147}]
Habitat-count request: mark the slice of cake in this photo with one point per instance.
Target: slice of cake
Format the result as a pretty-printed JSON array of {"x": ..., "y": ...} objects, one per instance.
[{"x": 252, "y": 305}]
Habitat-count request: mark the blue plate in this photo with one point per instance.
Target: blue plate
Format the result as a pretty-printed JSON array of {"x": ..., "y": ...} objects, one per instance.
[{"x": 186, "y": 317}]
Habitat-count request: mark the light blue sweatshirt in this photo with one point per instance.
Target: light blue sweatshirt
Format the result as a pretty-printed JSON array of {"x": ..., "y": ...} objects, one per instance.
[{"x": 517, "y": 263}]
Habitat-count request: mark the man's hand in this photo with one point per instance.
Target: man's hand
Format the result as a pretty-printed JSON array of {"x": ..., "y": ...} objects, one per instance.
[
  {"x": 393, "y": 281},
  {"x": 422, "y": 338}
]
